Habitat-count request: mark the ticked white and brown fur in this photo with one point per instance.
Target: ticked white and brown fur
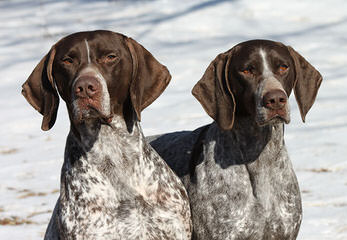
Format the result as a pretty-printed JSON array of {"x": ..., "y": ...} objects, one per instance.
[
  {"x": 113, "y": 184},
  {"x": 237, "y": 172}
]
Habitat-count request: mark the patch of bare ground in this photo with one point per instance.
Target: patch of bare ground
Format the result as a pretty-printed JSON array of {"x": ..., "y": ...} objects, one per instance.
[
  {"x": 340, "y": 204},
  {"x": 25, "y": 193},
  {"x": 15, "y": 220},
  {"x": 34, "y": 214},
  {"x": 304, "y": 191},
  {"x": 319, "y": 170},
  {"x": 6, "y": 151},
  {"x": 342, "y": 229},
  {"x": 29, "y": 193}
]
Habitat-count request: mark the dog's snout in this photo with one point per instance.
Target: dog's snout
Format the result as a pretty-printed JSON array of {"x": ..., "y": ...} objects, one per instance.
[
  {"x": 275, "y": 99},
  {"x": 87, "y": 87}
]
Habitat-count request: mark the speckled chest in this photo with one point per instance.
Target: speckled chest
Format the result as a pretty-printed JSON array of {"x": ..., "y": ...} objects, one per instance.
[
  {"x": 118, "y": 188},
  {"x": 259, "y": 199}
]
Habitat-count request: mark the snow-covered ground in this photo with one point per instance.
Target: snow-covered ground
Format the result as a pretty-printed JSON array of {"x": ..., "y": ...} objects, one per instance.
[{"x": 185, "y": 36}]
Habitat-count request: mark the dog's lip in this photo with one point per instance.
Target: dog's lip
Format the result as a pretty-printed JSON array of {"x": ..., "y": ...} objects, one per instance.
[
  {"x": 280, "y": 117},
  {"x": 90, "y": 109},
  {"x": 107, "y": 118},
  {"x": 273, "y": 118}
]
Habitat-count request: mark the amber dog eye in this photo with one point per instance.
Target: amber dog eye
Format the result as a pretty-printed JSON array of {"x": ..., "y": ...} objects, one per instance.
[
  {"x": 248, "y": 70},
  {"x": 283, "y": 68},
  {"x": 67, "y": 60}
]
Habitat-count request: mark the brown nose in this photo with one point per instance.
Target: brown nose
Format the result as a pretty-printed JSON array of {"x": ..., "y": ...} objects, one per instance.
[
  {"x": 87, "y": 87},
  {"x": 275, "y": 99}
]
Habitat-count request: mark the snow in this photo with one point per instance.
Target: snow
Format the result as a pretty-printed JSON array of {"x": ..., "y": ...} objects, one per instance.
[{"x": 185, "y": 36}]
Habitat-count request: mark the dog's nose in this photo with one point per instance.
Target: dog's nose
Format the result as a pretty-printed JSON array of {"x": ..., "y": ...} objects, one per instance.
[
  {"x": 275, "y": 99},
  {"x": 87, "y": 87}
]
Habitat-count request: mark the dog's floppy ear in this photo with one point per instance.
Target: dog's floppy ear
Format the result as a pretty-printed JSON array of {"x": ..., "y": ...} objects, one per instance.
[
  {"x": 149, "y": 77},
  {"x": 214, "y": 93},
  {"x": 307, "y": 82},
  {"x": 39, "y": 90}
]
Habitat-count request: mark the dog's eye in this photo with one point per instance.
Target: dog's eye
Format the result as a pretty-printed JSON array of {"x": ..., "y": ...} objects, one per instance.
[
  {"x": 248, "y": 70},
  {"x": 283, "y": 68},
  {"x": 111, "y": 57},
  {"x": 67, "y": 60}
]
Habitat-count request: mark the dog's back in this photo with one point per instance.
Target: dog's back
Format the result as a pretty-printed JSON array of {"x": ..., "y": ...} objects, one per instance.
[{"x": 178, "y": 148}]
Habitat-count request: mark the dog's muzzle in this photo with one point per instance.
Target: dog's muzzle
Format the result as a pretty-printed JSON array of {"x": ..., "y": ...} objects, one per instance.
[
  {"x": 90, "y": 97},
  {"x": 276, "y": 104}
]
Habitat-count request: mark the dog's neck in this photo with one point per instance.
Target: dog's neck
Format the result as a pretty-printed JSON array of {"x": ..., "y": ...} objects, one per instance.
[
  {"x": 101, "y": 145},
  {"x": 249, "y": 133},
  {"x": 108, "y": 153},
  {"x": 246, "y": 140},
  {"x": 106, "y": 167},
  {"x": 92, "y": 132}
]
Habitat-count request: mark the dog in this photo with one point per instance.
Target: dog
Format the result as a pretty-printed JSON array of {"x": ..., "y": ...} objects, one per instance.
[
  {"x": 113, "y": 184},
  {"x": 237, "y": 172}
]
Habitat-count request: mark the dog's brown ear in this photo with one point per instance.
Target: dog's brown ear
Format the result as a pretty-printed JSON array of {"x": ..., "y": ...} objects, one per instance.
[
  {"x": 149, "y": 78},
  {"x": 307, "y": 82},
  {"x": 214, "y": 93},
  {"x": 39, "y": 90}
]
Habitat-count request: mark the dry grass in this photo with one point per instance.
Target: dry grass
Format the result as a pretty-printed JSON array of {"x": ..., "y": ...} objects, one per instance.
[
  {"x": 342, "y": 229},
  {"x": 34, "y": 214},
  {"x": 32, "y": 194},
  {"x": 55, "y": 191},
  {"x": 305, "y": 191},
  {"x": 15, "y": 220},
  {"x": 319, "y": 170},
  {"x": 7, "y": 151},
  {"x": 25, "y": 193}
]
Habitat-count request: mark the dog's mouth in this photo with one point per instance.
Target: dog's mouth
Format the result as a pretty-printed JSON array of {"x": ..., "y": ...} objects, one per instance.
[
  {"x": 88, "y": 109},
  {"x": 106, "y": 118},
  {"x": 274, "y": 117}
]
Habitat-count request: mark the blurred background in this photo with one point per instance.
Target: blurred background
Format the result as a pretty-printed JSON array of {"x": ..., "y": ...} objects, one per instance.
[{"x": 185, "y": 36}]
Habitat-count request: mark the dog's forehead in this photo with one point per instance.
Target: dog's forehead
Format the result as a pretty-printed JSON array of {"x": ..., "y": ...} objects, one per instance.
[
  {"x": 253, "y": 47},
  {"x": 95, "y": 39}
]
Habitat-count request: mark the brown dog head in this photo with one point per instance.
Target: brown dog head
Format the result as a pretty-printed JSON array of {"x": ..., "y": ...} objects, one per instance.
[
  {"x": 255, "y": 78},
  {"x": 98, "y": 74}
]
